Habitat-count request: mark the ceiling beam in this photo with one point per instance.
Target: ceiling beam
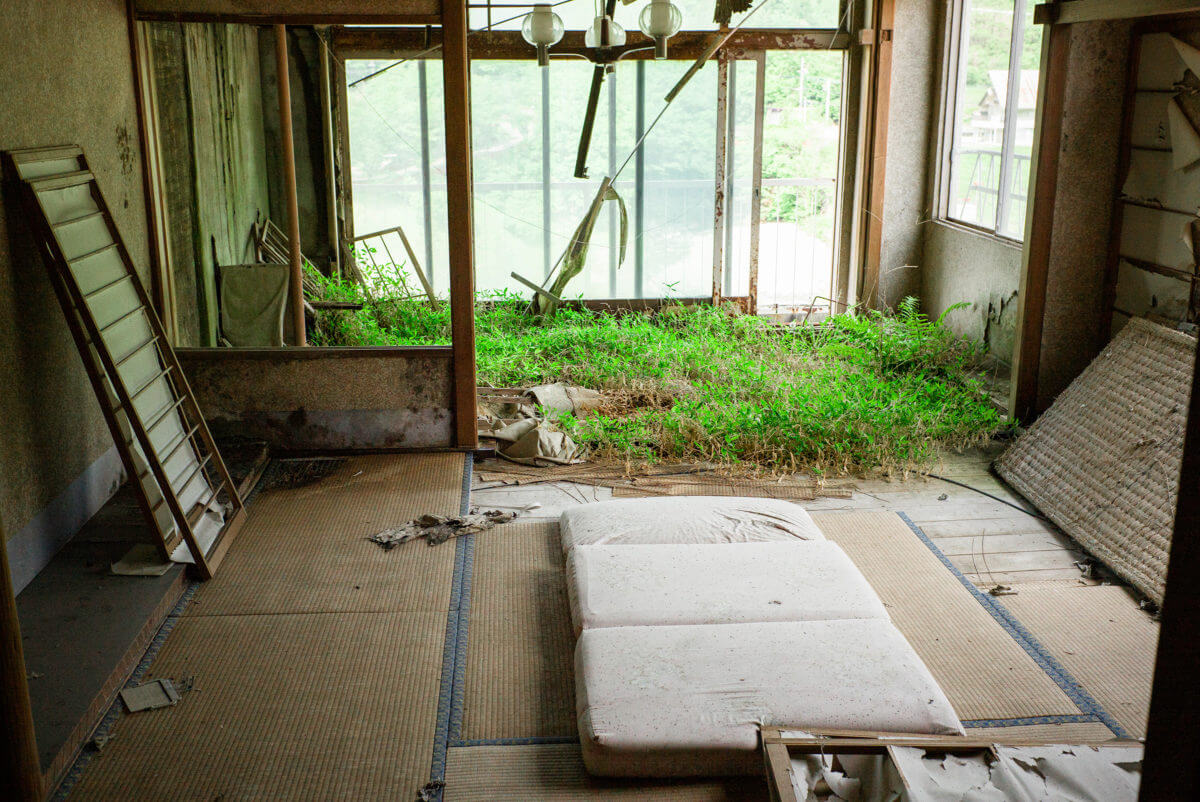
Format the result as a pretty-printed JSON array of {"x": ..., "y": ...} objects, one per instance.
[{"x": 1071, "y": 11}]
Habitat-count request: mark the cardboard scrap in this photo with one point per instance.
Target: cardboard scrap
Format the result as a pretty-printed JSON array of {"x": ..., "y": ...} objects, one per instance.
[{"x": 149, "y": 695}]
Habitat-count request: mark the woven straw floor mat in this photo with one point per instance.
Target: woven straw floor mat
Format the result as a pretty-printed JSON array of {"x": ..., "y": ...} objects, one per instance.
[
  {"x": 288, "y": 707},
  {"x": 555, "y": 773},
  {"x": 306, "y": 550},
  {"x": 519, "y": 671},
  {"x": 1103, "y": 461},
  {"x": 1099, "y": 635},
  {"x": 983, "y": 671},
  {"x": 306, "y": 687},
  {"x": 1048, "y": 733}
]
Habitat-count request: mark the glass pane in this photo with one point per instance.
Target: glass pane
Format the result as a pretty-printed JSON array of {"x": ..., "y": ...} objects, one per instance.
[
  {"x": 1013, "y": 219},
  {"x": 506, "y": 146},
  {"x": 979, "y": 116},
  {"x": 801, "y": 138},
  {"x": 386, "y": 160}
]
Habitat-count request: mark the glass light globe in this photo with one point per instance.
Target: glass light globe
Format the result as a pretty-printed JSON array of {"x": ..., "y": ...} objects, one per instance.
[
  {"x": 542, "y": 28},
  {"x": 616, "y": 34},
  {"x": 660, "y": 20}
]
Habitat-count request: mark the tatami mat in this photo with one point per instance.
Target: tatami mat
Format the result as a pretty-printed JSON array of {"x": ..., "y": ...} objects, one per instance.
[
  {"x": 984, "y": 672},
  {"x": 285, "y": 707},
  {"x": 519, "y": 675},
  {"x": 1101, "y": 636},
  {"x": 555, "y": 773},
  {"x": 306, "y": 549},
  {"x": 1050, "y": 733}
]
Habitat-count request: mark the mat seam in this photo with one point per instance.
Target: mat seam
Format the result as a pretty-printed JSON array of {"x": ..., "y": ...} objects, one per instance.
[
  {"x": 113, "y": 715},
  {"x": 450, "y": 702},
  {"x": 1017, "y": 631},
  {"x": 1082, "y": 718},
  {"x": 529, "y": 741}
]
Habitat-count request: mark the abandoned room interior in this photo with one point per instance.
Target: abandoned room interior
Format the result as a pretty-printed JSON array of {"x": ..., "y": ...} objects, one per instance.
[{"x": 655, "y": 399}]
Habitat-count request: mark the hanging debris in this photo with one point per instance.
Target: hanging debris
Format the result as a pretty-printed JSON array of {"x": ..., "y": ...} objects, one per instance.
[
  {"x": 576, "y": 253},
  {"x": 727, "y": 8},
  {"x": 437, "y": 529}
]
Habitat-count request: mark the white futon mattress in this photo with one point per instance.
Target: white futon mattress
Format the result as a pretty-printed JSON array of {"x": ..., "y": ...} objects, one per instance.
[
  {"x": 729, "y": 583},
  {"x": 686, "y": 519},
  {"x": 688, "y": 700}
]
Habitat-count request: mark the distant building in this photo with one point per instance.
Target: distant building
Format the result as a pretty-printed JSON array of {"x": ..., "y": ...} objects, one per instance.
[{"x": 987, "y": 123}]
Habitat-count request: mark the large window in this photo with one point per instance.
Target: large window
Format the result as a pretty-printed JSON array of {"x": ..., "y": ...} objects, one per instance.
[{"x": 992, "y": 84}]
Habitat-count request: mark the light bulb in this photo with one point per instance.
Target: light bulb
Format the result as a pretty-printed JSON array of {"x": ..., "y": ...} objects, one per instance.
[
  {"x": 594, "y": 36},
  {"x": 660, "y": 20},
  {"x": 542, "y": 28}
]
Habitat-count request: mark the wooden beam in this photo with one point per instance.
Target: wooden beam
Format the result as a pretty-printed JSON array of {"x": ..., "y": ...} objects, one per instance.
[
  {"x": 1172, "y": 762},
  {"x": 1039, "y": 224},
  {"x": 161, "y": 284},
  {"x": 456, "y": 89},
  {"x": 881, "y": 87},
  {"x": 20, "y": 769},
  {"x": 288, "y": 156},
  {"x": 504, "y": 45},
  {"x": 1071, "y": 11},
  {"x": 292, "y": 12},
  {"x": 760, "y": 88}
]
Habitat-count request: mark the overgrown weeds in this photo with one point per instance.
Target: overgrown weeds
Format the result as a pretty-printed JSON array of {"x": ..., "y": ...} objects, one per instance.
[{"x": 863, "y": 392}]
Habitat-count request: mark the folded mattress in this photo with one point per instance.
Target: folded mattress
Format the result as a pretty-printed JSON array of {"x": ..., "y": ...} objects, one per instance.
[
  {"x": 728, "y": 583},
  {"x": 686, "y": 519},
  {"x": 674, "y": 701}
]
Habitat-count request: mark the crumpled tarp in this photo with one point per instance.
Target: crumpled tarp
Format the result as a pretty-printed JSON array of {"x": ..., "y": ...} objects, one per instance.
[{"x": 528, "y": 438}]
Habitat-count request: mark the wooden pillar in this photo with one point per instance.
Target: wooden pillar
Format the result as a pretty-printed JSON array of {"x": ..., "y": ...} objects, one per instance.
[
  {"x": 718, "y": 262},
  {"x": 457, "y": 96},
  {"x": 289, "y": 182},
  {"x": 1172, "y": 766},
  {"x": 880, "y": 102},
  {"x": 20, "y": 770},
  {"x": 1039, "y": 223}
]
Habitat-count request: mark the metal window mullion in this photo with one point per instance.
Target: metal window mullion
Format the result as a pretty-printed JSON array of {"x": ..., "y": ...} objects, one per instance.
[
  {"x": 613, "y": 250},
  {"x": 730, "y": 130},
  {"x": 962, "y": 51},
  {"x": 639, "y": 164},
  {"x": 547, "y": 245},
  {"x": 426, "y": 179},
  {"x": 1011, "y": 112}
]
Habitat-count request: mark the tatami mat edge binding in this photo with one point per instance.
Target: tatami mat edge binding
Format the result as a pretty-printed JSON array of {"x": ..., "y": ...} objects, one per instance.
[
  {"x": 449, "y": 713},
  {"x": 1078, "y": 695},
  {"x": 114, "y": 711}
]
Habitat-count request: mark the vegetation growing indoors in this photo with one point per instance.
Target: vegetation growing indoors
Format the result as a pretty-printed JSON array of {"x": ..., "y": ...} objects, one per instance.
[{"x": 861, "y": 392}]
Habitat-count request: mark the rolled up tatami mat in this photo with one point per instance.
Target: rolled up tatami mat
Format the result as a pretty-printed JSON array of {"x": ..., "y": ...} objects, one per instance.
[
  {"x": 519, "y": 680},
  {"x": 984, "y": 672}
]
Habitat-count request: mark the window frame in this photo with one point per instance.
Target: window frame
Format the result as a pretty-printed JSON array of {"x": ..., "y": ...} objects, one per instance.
[{"x": 952, "y": 89}]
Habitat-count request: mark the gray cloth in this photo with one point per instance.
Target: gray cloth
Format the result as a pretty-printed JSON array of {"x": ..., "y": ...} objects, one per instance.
[{"x": 254, "y": 299}]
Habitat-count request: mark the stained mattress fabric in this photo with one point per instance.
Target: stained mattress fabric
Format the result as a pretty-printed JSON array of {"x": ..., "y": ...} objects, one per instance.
[
  {"x": 729, "y": 583},
  {"x": 686, "y": 519},
  {"x": 676, "y": 701}
]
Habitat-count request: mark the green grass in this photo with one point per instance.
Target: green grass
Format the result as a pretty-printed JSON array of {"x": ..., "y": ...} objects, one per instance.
[{"x": 862, "y": 393}]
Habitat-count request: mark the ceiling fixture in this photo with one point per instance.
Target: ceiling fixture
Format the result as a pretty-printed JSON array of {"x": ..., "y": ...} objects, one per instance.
[
  {"x": 660, "y": 20},
  {"x": 543, "y": 28},
  {"x": 605, "y": 32}
]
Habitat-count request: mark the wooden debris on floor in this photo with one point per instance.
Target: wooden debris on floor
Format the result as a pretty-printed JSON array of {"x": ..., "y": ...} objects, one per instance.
[{"x": 676, "y": 479}]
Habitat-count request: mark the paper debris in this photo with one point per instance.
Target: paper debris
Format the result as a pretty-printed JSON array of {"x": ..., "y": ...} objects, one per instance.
[
  {"x": 437, "y": 529},
  {"x": 149, "y": 695},
  {"x": 141, "y": 560},
  {"x": 1189, "y": 54},
  {"x": 1185, "y": 139}
]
